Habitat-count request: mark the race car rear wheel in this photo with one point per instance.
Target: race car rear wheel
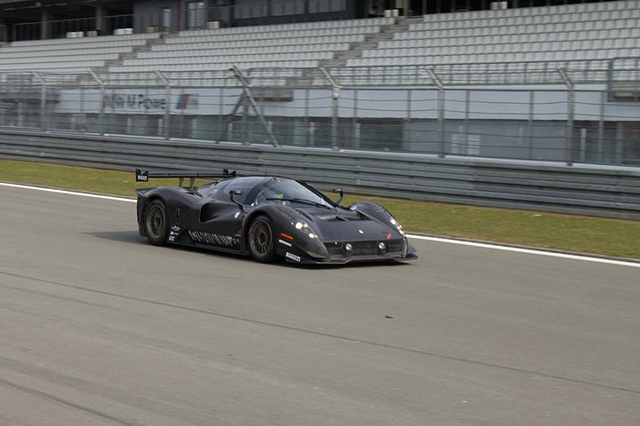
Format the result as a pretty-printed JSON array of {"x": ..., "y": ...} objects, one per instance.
[
  {"x": 156, "y": 223},
  {"x": 262, "y": 240}
]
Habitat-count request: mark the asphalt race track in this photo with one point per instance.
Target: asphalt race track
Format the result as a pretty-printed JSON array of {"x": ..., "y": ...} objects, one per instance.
[{"x": 99, "y": 328}]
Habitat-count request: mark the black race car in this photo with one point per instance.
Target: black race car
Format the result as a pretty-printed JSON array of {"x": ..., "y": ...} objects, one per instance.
[{"x": 268, "y": 218}]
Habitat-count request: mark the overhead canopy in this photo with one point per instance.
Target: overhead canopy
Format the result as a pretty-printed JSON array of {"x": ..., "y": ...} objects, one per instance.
[{"x": 17, "y": 11}]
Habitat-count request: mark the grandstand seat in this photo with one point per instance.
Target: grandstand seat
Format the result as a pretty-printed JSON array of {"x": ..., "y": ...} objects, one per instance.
[
  {"x": 585, "y": 31},
  {"x": 68, "y": 55},
  {"x": 563, "y": 32}
]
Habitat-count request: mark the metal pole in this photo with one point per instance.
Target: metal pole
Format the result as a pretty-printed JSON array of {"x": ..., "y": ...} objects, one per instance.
[
  {"x": 307, "y": 123},
  {"x": 335, "y": 95},
  {"x": 356, "y": 127},
  {"x": 532, "y": 101},
  {"x": 407, "y": 134},
  {"x": 246, "y": 86},
  {"x": 467, "y": 113},
  {"x": 43, "y": 100},
  {"x": 441, "y": 88},
  {"x": 603, "y": 102},
  {"x": 571, "y": 101},
  {"x": 245, "y": 126},
  {"x": 167, "y": 109},
  {"x": 101, "y": 100},
  {"x": 618, "y": 152},
  {"x": 583, "y": 144},
  {"x": 221, "y": 121}
]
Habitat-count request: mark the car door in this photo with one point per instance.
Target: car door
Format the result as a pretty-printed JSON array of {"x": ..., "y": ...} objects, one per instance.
[{"x": 219, "y": 221}]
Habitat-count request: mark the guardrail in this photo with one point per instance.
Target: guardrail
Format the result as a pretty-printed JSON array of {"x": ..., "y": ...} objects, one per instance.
[{"x": 554, "y": 187}]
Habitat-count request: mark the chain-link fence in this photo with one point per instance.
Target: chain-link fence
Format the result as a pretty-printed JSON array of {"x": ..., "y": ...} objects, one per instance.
[{"x": 561, "y": 120}]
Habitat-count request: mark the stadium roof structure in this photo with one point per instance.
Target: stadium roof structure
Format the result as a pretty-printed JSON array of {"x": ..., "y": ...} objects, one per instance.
[
  {"x": 24, "y": 11},
  {"x": 13, "y": 7},
  {"x": 32, "y": 4}
]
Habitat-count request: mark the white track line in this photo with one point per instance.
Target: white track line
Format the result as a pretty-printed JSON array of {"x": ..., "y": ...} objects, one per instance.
[
  {"x": 529, "y": 251},
  {"x": 417, "y": 237},
  {"x": 62, "y": 191}
]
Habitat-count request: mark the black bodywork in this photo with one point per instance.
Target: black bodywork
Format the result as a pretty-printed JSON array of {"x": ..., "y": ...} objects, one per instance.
[{"x": 268, "y": 218}]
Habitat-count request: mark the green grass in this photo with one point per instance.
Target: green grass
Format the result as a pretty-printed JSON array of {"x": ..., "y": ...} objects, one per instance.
[{"x": 607, "y": 237}]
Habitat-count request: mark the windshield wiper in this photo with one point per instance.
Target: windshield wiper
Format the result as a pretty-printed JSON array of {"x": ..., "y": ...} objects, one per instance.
[{"x": 301, "y": 201}]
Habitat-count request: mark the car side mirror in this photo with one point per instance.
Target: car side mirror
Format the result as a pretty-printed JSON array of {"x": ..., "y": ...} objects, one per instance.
[
  {"x": 339, "y": 191},
  {"x": 236, "y": 194}
]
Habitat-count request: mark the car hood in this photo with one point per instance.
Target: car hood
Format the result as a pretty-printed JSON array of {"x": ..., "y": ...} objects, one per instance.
[{"x": 346, "y": 225}]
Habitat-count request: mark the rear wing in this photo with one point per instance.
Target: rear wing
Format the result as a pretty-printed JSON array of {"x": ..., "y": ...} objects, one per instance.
[{"x": 192, "y": 175}]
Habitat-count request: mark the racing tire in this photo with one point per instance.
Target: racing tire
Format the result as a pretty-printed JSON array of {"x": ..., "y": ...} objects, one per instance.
[
  {"x": 262, "y": 240},
  {"x": 156, "y": 223}
]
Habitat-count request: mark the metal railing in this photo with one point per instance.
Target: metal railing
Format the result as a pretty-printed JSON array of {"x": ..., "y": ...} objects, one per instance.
[
  {"x": 473, "y": 74},
  {"x": 586, "y": 190},
  {"x": 594, "y": 71},
  {"x": 566, "y": 121}
]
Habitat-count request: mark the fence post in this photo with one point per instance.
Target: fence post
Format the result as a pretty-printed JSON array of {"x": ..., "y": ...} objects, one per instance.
[
  {"x": 167, "y": 110},
  {"x": 101, "y": 100},
  {"x": 43, "y": 100},
  {"x": 335, "y": 95},
  {"x": 571, "y": 106},
  {"x": 221, "y": 122},
  {"x": 307, "y": 122},
  {"x": 247, "y": 96},
  {"x": 438, "y": 83},
  {"x": 467, "y": 113},
  {"x": 603, "y": 103},
  {"x": 532, "y": 100}
]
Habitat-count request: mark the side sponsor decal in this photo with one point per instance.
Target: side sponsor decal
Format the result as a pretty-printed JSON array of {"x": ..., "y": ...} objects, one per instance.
[
  {"x": 173, "y": 234},
  {"x": 214, "y": 239},
  {"x": 292, "y": 257},
  {"x": 286, "y": 243}
]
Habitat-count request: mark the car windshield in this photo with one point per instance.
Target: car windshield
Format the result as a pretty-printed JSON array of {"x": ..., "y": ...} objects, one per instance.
[{"x": 291, "y": 191}]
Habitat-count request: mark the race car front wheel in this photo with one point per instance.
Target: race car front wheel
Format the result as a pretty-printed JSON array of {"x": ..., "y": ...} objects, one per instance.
[
  {"x": 262, "y": 240},
  {"x": 156, "y": 223}
]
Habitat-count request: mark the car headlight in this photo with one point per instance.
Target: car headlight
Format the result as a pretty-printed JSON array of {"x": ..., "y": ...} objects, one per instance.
[
  {"x": 395, "y": 223},
  {"x": 302, "y": 226}
]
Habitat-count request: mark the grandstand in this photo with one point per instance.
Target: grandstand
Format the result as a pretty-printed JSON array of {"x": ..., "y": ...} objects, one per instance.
[
  {"x": 577, "y": 31},
  {"x": 584, "y": 31},
  {"x": 285, "y": 46},
  {"x": 305, "y": 67},
  {"x": 70, "y": 55}
]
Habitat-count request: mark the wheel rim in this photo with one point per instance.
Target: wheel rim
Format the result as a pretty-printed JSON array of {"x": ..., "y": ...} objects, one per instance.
[
  {"x": 155, "y": 222},
  {"x": 261, "y": 239}
]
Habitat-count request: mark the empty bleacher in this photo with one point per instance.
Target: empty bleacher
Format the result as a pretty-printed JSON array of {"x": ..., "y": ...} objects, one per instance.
[
  {"x": 301, "y": 45},
  {"x": 586, "y": 31},
  {"x": 566, "y": 32},
  {"x": 69, "y": 55}
]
